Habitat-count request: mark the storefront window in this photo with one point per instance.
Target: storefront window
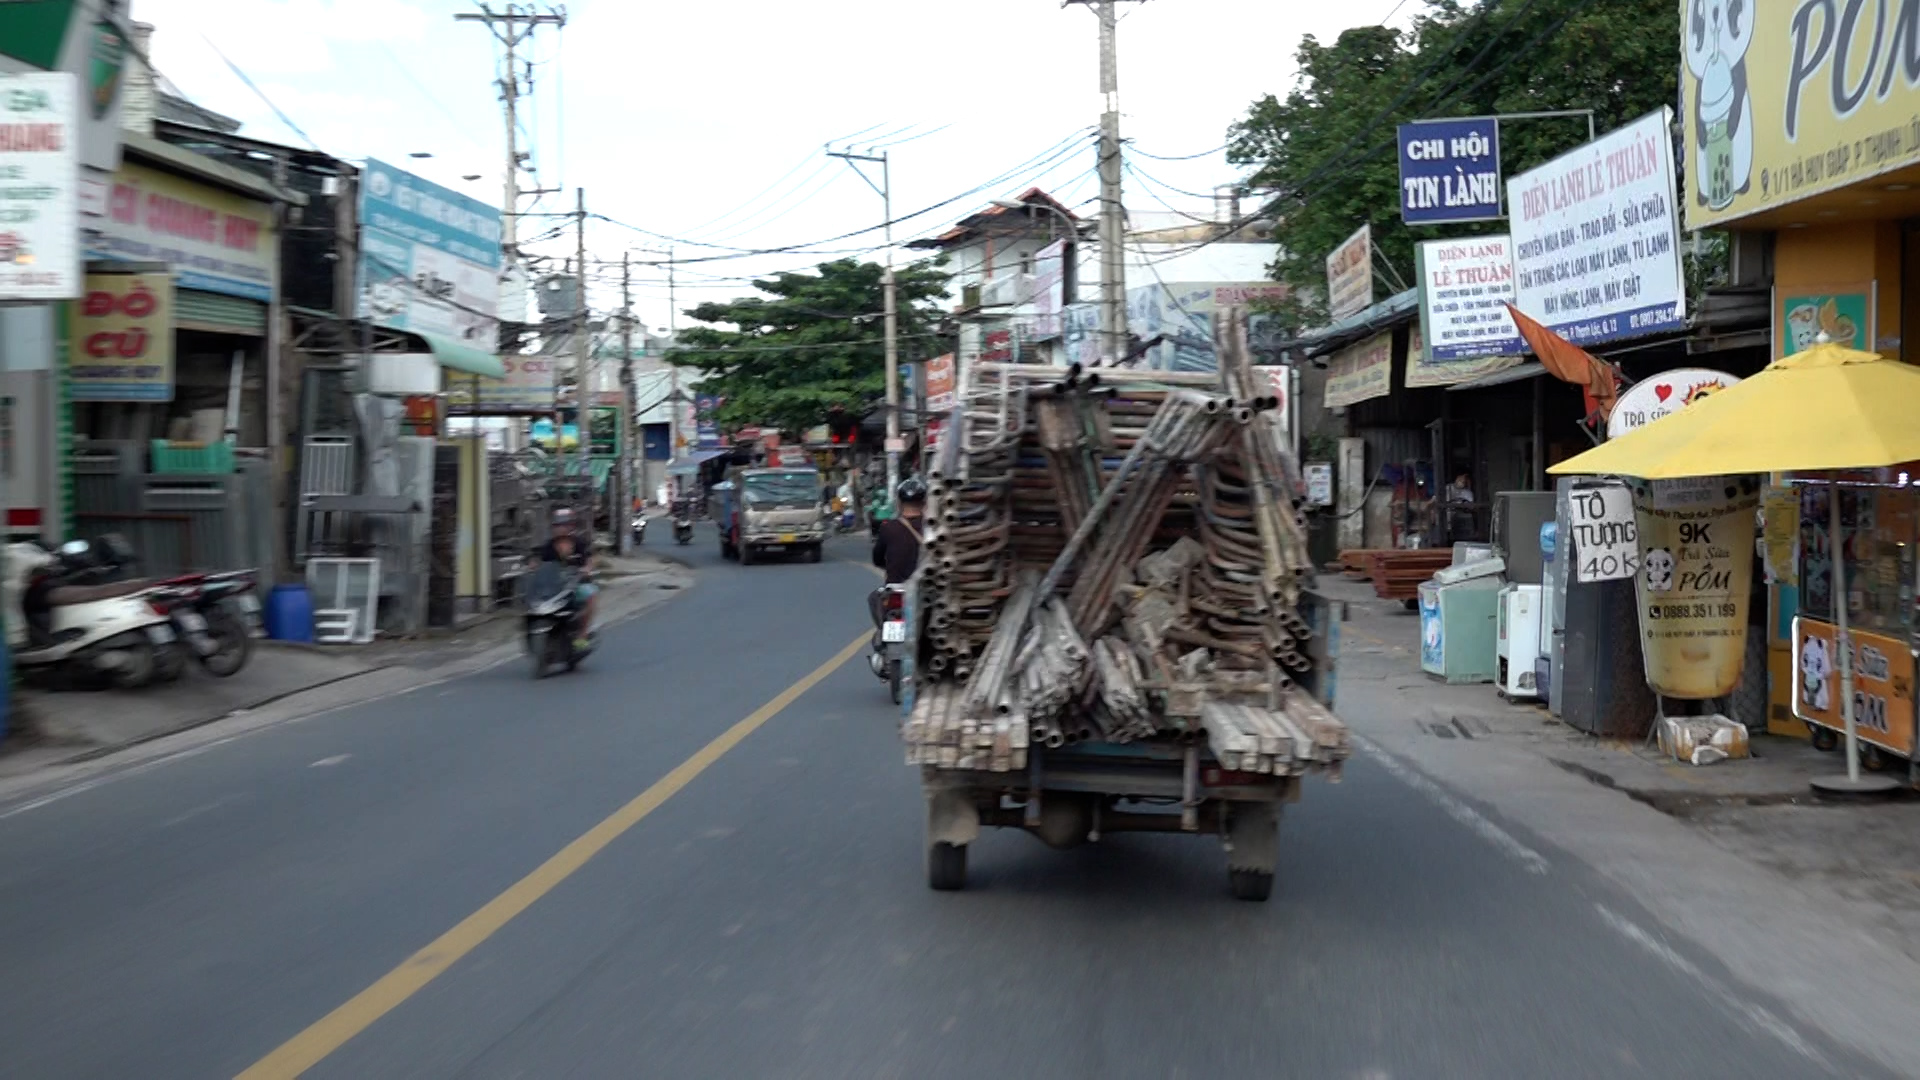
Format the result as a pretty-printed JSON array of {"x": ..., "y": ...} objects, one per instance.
[{"x": 1881, "y": 526}]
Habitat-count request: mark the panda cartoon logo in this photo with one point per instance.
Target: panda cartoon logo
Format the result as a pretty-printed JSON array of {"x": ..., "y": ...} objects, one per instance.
[
  {"x": 1816, "y": 670},
  {"x": 1718, "y": 33},
  {"x": 1659, "y": 565}
]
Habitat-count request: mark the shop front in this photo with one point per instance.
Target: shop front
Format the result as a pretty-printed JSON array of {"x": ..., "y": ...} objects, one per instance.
[
  {"x": 173, "y": 342},
  {"x": 1803, "y": 129}
]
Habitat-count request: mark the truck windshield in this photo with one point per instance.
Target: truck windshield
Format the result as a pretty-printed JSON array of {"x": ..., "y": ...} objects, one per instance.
[{"x": 768, "y": 491}]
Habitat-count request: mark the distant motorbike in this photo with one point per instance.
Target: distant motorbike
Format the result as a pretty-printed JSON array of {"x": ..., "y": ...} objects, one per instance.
[
  {"x": 552, "y": 619},
  {"x": 682, "y": 523},
  {"x": 887, "y": 651},
  {"x": 639, "y": 526}
]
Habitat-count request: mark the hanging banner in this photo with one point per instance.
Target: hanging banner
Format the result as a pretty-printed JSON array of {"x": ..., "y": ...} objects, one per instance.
[
  {"x": 1780, "y": 531},
  {"x": 1845, "y": 313},
  {"x": 940, "y": 386},
  {"x": 1883, "y": 711},
  {"x": 1350, "y": 275},
  {"x": 1650, "y": 399},
  {"x": 39, "y": 187},
  {"x": 1450, "y": 171},
  {"x": 1800, "y": 98},
  {"x": 706, "y": 421},
  {"x": 1361, "y": 372},
  {"x": 1465, "y": 286},
  {"x": 1596, "y": 237},
  {"x": 123, "y": 340},
  {"x": 1696, "y": 572}
]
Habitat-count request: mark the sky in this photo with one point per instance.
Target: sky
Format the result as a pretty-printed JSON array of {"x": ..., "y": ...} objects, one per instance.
[{"x": 707, "y": 122}]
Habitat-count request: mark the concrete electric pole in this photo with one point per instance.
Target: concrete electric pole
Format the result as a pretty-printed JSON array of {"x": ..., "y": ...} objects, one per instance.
[
  {"x": 511, "y": 26},
  {"x": 628, "y": 399},
  {"x": 582, "y": 350},
  {"x": 1113, "y": 227},
  {"x": 885, "y": 188}
]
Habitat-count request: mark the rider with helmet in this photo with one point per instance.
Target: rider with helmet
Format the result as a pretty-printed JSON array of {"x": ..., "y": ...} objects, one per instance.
[
  {"x": 896, "y": 542},
  {"x": 565, "y": 546}
]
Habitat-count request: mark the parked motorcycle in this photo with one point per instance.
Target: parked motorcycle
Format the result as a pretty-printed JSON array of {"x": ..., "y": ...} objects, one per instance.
[
  {"x": 217, "y": 615},
  {"x": 70, "y": 628},
  {"x": 553, "y": 619},
  {"x": 888, "y": 649}
]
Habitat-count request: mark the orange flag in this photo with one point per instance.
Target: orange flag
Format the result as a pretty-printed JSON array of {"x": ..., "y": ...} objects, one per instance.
[{"x": 1599, "y": 383}]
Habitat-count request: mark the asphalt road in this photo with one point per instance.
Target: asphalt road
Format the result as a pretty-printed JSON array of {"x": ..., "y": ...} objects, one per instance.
[{"x": 770, "y": 917}]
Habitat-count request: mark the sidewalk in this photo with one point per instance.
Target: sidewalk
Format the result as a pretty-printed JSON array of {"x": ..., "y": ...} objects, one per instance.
[
  {"x": 54, "y": 729},
  {"x": 1760, "y": 809}
]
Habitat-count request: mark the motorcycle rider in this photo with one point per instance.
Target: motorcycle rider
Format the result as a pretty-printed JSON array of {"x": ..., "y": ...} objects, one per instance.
[
  {"x": 896, "y": 542},
  {"x": 564, "y": 547}
]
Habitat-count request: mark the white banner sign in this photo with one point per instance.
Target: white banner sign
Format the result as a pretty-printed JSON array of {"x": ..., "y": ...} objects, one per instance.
[
  {"x": 1596, "y": 241},
  {"x": 1606, "y": 535},
  {"x": 39, "y": 196},
  {"x": 1465, "y": 286},
  {"x": 1669, "y": 392},
  {"x": 1350, "y": 275}
]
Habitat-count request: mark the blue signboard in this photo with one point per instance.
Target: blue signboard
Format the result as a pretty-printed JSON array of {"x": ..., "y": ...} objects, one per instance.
[
  {"x": 429, "y": 257},
  {"x": 1450, "y": 171},
  {"x": 706, "y": 425}
]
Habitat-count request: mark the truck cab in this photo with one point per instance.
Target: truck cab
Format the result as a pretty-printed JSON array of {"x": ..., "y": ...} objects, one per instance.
[{"x": 763, "y": 510}]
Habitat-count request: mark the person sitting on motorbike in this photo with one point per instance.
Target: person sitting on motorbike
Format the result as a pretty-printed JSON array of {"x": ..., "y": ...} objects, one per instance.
[
  {"x": 896, "y": 543},
  {"x": 564, "y": 547}
]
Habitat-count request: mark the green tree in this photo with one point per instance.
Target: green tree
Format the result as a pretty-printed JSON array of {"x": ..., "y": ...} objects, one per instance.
[
  {"x": 1328, "y": 148},
  {"x": 812, "y": 342}
]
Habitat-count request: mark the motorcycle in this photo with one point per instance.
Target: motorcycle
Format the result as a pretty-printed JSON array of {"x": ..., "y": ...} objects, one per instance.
[
  {"x": 639, "y": 527},
  {"x": 682, "y": 523},
  {"x": 887, "y": 651},
  {"x": 553, "y": 618},
  {"x": 75, "y": 629},
  {"x": 217, "y": 615}
]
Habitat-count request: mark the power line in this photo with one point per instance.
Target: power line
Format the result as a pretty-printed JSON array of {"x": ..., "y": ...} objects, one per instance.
[
  {"x": 259, "y": 93},
  {"x": 1179, "y": 157}
]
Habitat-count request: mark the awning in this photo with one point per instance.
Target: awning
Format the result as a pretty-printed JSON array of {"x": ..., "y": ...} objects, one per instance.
[
  {"x": 1501, "y": 378},
  {"x": 691, "y": 463},
  {"x": 459, "y": 356}
]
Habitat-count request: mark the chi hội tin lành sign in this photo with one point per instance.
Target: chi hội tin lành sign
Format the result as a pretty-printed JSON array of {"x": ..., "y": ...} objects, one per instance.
[
  {"x": 1696, "y": 574},
  {"x": 1450, "y": 171},
  {"x": 1785, "y": 99},
  {"x": 123, "y": 342},
  {"x": 429, "y": 258}
]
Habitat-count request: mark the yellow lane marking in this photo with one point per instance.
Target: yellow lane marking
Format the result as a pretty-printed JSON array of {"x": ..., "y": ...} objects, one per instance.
[{"x": 332, "y": 1031}]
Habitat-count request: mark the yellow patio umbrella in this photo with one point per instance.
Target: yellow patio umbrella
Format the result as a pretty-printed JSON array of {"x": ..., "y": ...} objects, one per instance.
[{"x": 1829, "y": 407}]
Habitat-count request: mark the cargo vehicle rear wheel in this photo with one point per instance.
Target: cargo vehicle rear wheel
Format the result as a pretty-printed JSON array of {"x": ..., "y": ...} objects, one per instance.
[{"x": 947, "y": 866}]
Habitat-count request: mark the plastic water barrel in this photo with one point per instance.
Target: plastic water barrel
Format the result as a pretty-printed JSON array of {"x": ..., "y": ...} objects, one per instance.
[{"x": 289, "y": 614}]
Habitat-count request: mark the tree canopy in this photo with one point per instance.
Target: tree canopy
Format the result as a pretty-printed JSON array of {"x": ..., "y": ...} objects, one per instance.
[
  {"x": 1328, "y": 148},
  {"x": 811, "y": 342}
]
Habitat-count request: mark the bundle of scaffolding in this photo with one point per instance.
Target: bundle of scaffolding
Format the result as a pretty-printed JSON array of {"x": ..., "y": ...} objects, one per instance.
[{"x": 1116, "y": 556}]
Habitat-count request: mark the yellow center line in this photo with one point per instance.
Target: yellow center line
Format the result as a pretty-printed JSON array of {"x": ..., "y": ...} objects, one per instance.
[{"x": 332, "y": 1031}]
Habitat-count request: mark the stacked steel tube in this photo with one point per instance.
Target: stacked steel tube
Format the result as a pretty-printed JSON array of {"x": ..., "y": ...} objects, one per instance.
[{"x": 1111, "y": 556}]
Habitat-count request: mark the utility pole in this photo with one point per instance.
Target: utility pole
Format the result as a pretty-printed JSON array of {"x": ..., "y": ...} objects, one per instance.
[
  {"x": 1113, "y": 258},
  {"x": 627, "y": 403},
  {"x": 510, "y": 27},
  {"x": 582, "y": 348},
  {"x": 885, "y": 188}
]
